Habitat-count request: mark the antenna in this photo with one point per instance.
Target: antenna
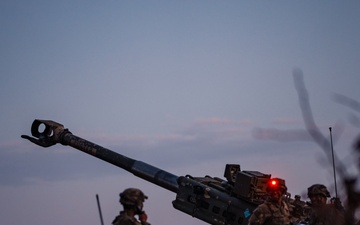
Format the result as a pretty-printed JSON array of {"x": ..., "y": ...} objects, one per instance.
[
  {"x": 98, "y": 203},
  {"x": 333, "y": 161}
]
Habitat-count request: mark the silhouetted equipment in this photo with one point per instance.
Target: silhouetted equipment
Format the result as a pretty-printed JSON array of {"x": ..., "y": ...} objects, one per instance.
[{"x": 211, "y": 199}]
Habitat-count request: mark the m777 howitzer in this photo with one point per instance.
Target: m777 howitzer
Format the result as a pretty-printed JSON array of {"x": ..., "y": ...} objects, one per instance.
[{"x": 212, "y": 200}]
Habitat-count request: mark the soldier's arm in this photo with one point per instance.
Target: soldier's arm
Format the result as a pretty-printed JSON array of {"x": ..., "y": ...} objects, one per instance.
[{"x": 260, "y": 214}]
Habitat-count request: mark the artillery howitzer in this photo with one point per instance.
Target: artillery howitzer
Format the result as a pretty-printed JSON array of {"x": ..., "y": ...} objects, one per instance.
[{"x": 213, "y": 200}]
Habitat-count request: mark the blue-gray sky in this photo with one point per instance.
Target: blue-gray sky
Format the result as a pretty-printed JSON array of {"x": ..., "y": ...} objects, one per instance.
[{"x": 186, "y": 86}]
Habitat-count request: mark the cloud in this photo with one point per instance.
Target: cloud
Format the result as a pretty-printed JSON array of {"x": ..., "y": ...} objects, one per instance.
[
  {"x": 281, "y": 135},
  {"x": 287, "y": 121},
  {"x": 221, "y": 121}
]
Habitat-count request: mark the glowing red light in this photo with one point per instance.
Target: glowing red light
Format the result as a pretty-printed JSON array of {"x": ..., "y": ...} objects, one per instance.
[{"x": 273, "y": 183}]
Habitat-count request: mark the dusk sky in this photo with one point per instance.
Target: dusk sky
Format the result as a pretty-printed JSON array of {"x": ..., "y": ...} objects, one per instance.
[{"x": 186, "y": 86}]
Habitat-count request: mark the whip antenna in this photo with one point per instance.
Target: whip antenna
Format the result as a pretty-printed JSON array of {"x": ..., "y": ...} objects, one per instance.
[
  {"x": 333, "y": 161},
  {"x": 98, "y": 203}
]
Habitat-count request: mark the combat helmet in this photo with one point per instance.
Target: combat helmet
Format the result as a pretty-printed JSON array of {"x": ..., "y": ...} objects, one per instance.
[
  {"x": 132, "y": 196},
  {"x": 276, "y": 184},
  {"x": 318, "y": 189}
]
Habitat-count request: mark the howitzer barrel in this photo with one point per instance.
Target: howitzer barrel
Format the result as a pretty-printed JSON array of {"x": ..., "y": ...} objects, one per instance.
[{"x": 54, "y": 133}]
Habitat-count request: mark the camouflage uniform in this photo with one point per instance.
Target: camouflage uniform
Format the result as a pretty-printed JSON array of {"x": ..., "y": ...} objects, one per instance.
[
  {"x": 274, "y": 211},
  {"x": 124, "y": 219},
  {"x": 299, "y": 210},
  {"x": 270, "y": 213},
  {"x": 132, "y": 200},
  {"x": 325, "y": 214}
]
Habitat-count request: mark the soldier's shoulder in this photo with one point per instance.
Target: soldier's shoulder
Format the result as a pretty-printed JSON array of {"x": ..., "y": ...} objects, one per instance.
[
  {"x": 124, "y": 219},
  {"x": 262, "y": 208},
  {"x": 259, "y": 215}
]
